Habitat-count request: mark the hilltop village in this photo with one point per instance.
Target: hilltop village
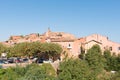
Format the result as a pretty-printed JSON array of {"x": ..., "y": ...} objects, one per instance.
[
  {"x": 60, "y": 56},
  {"x": 68, "y": 41}
]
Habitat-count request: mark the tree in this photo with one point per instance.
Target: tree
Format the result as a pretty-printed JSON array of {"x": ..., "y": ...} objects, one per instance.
[
  {"x": 39, "y": 72},
  {"x": 74, "y": 70},
  {"x": 95, "y": 59},
  {"x": 112, "y": 62},
  {"x": 36, "y": 49},
  {"x": 3, "y": 48},
  {"x": 107, "y": 56},
  {"x": 30, "y": 72},
  {"x": 20, "y": 49},
  {"x": 118, "y": 63},
  {"x": 50, "y": 50}
]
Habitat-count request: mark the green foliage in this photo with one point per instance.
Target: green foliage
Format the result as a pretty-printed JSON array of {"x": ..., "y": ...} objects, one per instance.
[
  {"x": 49, "y": 69},
  {"x": 105, "y": 76},
  {"x": 118, "y": 63},
  {"x": 36, "y": 74},
  {"x": 93, "y": 66},
  {"x": 19, "y": 70},
  {"x": 20, "y": 49},
  {"x": 30, "y": 72},
  {"x": 73, "y": 70},
  {"x": 95, "y": 60},
  {"x": 35, "y": 49},
  {"x": 3, "y": 48},
  {"x": 107, "y": 56},
  {"x": 2, "y": 72},
  {"x": 112, "y": 63},
  {"x": 9, "y": 75},
  {"x": 42, "y": 72},
  {"x": 116, "y": 76}
]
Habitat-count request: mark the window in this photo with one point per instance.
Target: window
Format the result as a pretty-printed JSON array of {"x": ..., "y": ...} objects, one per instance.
[
  {"x": 69, "y": 45},
  {"x": 110, "y": 48},
  {"x": 118, "y": 48}
]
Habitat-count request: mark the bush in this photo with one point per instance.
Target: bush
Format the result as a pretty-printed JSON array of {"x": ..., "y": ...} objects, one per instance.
[{"x": 74, "y": 70}]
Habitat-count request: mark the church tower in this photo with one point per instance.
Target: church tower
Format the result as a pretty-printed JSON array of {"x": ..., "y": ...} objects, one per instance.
[{"x": 48, "y": 32}]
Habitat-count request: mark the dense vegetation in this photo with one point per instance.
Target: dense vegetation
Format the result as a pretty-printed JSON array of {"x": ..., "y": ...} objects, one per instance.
[
  {"x": 32, "y": 49},
  {"x": 94, "y": 65},
  {"x": 30, "y": 72}
]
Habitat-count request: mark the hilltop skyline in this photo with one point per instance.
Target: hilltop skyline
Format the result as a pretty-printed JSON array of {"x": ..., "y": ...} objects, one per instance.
[{"x": 81, "y": 18}]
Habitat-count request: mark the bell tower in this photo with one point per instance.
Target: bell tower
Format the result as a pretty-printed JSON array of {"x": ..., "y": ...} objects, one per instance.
[{"x": 48, "y": 32}]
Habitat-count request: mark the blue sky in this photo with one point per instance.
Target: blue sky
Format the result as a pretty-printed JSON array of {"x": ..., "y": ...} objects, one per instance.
[{"x": 79, "y": 17}]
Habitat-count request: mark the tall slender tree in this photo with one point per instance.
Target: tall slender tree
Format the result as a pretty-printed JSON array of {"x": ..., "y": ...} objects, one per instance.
[{"x": 95, "y": 60}]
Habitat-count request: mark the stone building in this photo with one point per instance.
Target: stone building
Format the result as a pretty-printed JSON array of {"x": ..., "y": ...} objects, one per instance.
[
  {"x": 103, "y": 42},
  {"x": 68, "y": 41}
]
